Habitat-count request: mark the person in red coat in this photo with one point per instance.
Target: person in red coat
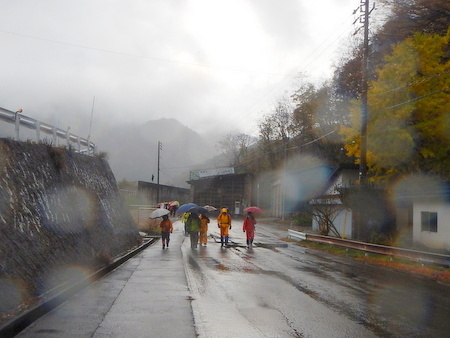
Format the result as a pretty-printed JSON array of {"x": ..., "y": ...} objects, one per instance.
[{"x": 249, "y": 228}]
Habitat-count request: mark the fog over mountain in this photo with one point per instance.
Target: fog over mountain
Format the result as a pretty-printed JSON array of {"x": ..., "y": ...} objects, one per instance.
[
  {"x": 132, "y": 148},
  {"x": 133, "y": 151}
]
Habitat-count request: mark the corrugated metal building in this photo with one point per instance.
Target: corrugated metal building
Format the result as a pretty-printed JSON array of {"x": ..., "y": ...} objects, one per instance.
[{"x": 232, "y": 191}]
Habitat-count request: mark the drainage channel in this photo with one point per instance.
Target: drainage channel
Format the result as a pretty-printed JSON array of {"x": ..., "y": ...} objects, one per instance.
[{"x": 232, "y": 244}]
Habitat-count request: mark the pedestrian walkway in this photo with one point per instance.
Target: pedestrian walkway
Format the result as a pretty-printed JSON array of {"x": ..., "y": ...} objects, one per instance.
[{"x": 148, "y": 296}]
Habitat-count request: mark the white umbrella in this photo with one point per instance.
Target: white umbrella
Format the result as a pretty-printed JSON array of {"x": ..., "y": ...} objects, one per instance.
[
  {"x": 210, "y": 208},
  {"x": 159, "y": 213}
]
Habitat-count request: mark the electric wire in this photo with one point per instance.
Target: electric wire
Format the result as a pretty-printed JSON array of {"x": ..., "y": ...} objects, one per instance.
[
  {"x": 242, "y": 117},
  {"x": 202, "y": 65},
  {"x": 409, "y": 101},
  {"x": 251, "y": 111},
  {"x": 281, "y": 147},
  {"x": 425, "y": 79}
]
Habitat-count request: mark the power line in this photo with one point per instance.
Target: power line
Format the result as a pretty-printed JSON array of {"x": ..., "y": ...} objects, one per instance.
[
  {"x": 282, "y": 146},
  {"x": 223, "y": 68},
  {"x": 409, "y": 101},
  {"x": 313, "y": 141},
  {"x": 425, "y": 79},
  {"x": 258, "y": 102}
]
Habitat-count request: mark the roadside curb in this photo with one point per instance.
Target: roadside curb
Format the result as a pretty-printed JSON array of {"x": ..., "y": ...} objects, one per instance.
[{"x": 17, "y": 324}]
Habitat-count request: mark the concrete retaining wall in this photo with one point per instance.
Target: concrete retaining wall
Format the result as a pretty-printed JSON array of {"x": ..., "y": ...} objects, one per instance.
[{"x": 61, "y": 217}]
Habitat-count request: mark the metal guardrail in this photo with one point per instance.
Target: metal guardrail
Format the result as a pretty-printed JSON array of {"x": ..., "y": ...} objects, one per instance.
[
  {"x": 301, "y": 236},
  {"x": 418, "y": 256},
  {"x": 18, "y": 119}
]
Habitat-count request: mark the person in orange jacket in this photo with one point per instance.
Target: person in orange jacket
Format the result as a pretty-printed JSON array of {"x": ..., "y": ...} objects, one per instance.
[
  {"x": 224, "y": 223},
  {"x": 249, "y": 228},
  {"x": 204, "y": 220},
  {"x": 166, "y": 230}
]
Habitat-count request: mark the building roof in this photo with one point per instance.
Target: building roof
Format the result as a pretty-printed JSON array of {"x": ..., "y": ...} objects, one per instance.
[
  {"x": 218, "y": 177},
  {"x": 422, "y": 187}
]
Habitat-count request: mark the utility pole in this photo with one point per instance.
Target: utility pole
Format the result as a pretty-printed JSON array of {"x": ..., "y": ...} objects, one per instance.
[
  {"x": 90, "y": 127},
  {"x": 284, "y": 182},
  {"x": 364, "y": 18},
  {"x": 157, "y": 174},
  {"x": 17, "y": 123}
]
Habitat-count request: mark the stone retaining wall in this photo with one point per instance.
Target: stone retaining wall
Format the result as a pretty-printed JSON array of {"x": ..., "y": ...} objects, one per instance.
[{"x": 61, "y": 217}]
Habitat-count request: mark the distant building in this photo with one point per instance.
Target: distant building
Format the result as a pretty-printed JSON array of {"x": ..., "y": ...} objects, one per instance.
[
  {"x": 315, "y": 190},
  {"x": 222, "y": 188},
  {"x": 417, "y": 211},
  {"x": 148, "y": 191},
  {"x": 343, "y": 218},
  {"x": 297, "y": 187},
  {"x": 423, "y": 213}
]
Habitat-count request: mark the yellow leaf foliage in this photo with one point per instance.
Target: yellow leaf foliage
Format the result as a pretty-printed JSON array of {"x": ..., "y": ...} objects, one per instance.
[{"x": 408, "y": 111}]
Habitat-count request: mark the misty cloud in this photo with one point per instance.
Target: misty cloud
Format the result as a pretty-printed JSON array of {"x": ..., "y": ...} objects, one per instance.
[{"x": 213, "y": 66}]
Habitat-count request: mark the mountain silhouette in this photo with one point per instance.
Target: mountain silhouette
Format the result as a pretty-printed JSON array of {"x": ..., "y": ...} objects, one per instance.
[{"x": 133, "y": 151}]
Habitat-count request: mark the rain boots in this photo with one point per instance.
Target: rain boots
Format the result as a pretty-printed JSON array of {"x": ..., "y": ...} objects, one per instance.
[
  {"x": 250, "y": 243},
  {"x": 163, "y": 244},
  {"x": 223, "y": 240}
]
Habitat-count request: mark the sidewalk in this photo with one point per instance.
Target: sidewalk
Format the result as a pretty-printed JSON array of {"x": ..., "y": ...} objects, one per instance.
[{"x": 147, "y": 296}]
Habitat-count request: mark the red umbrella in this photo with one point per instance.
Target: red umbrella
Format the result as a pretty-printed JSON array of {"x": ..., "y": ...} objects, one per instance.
[{"x": 254, "y": 209}]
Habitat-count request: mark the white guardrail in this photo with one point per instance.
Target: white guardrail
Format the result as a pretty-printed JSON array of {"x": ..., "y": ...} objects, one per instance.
[
  {"x": 18, "y": 120},
  {"x": 301, "y": 236}
]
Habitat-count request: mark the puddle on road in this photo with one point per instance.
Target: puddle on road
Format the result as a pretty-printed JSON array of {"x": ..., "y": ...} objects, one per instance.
[
  {"x": 213, "y": 263},
  {"x": 312, "y": 270}
]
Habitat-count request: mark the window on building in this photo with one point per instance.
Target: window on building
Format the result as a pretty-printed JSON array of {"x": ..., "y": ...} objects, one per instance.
[{"x": 429, "y": 221}]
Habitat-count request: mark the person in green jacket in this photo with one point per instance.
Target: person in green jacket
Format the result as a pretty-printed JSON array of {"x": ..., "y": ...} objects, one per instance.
[{"x": 193, "y": 227}]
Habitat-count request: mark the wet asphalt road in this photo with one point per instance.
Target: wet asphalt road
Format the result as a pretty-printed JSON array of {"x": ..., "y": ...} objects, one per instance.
[{"x": 275, "y": 291}]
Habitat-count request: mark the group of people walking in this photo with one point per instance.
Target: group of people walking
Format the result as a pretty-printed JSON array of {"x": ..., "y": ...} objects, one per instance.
[{"x": 197, "y": 228}]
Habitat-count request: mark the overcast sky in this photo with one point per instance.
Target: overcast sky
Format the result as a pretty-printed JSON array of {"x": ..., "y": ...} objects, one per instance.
[{"x": 211, "y": 64}]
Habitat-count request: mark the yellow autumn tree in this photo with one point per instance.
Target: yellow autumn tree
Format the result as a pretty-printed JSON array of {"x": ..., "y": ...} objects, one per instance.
[{"x": 409, "y": 111}]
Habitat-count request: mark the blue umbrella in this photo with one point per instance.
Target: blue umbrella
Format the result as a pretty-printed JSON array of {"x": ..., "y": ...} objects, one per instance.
[
  {"x": 198, "y": 210},
  {"x": 185, "y": 208}
]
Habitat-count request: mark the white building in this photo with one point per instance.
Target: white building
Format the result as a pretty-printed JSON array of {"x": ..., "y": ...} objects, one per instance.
[
  {"x": 423, "y": 204},
  {"x": 343, "y": 217}
]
